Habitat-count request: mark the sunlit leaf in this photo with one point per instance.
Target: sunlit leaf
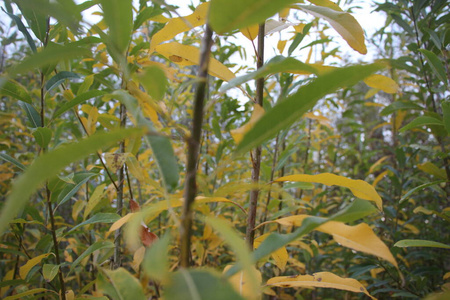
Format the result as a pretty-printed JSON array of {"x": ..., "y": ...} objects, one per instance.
[
  {"x": 359, "y": 188},
  {"x": 186, "y": 55},
  {"x": 321, "y": 279},
  {"x": 344, "y": 23},
  {"x": 286, "y": 112},
  {"x": 420, "y": 243}
]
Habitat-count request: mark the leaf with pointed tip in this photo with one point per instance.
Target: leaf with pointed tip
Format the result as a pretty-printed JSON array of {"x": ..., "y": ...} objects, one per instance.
[
  {"x": 436, "y": 65},
  {"x": 43, "y": 135},
  {"x": 77, "y": 100},
  {"x": 420, "y": 243},
  {"x": 15, "y": 90},
  {"x": 94, "y": 247},
  {"x": 421, "y": 121},
  {"x": 22, "y": 29},
  {"x": 59, "y": 78},
  {"x": 13, "y": 161},
  {"x": 118, "y": 15},
  {"x": 98, "y": 218},
  {"x": 33, "y": 116}
]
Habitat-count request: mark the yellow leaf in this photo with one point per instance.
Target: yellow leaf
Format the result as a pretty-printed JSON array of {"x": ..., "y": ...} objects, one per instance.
[
  {"x": 344, "y": 23},
  {"x": 421, "y": 209},
  {"x": 281, "y": 45},
  {"x": 383, "y": 83},
  {"x": 119, "y": 223},
  {"x": 359, "y": 188},
  {"x": 321, "y": 119},
  {"x": 280, "y": 256},
  {"x": 179, "y": 25},
  {"x": 238, "y": 134},
  {"x": 373, "y": 104},
  {"x": 430, "y": 168},
  {"x": 446, "y": 276},
  {"x": 299, "y": 28},
  {"x": 186, "y": 55},
  {"x": 148, "y": 106},
  {"x": 321, "y": 279},
  {"x": 377, "y": 164},
  {"x": 31, "y": 263},
  {"x": 359, "y": 237},
  {"x": 138, "y": 257},
  {"x": 379, "y": 177},
  {"x": 94, "y": 199},
  {"x": 114, "y": 161},
  {"x": 250, "y": 32},
  {"x": 398, "y": 118},
  {"x": 370, "y": 93},
  {"x": 326, "y": 3},
  {"x": 135, "y": 168},
  {"x": 241, "y": 283},
  {"x": 284, "y": 13}
]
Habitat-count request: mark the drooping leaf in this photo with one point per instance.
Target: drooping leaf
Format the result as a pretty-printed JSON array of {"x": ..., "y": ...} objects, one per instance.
[
  {"x": 98, "y": 218},
  {"x": 43, "y": 136},
  {"x": 280, "y": 256},
  {"x": 383, "y": 83},
  {"x": 359, "y": 188},
  {"x": 94, "y": 199},
  {"x": 226, "y": 15},
  {"x": 321, "y": 279},
  {"x": 48, "y": 165},
  {"x": 199, "y": 284},
  {"x": 15, "y": 90},
  {"x": 71, "y": 189},
  {"x": 49, "y": 271},
  {"x": 179, "y": 25},
  {"x": 292, "y": 108},
  {"x": 344, "y": 23},
  {"x": 22, "y": 29},
  {"x": 436, "y": 65},
  {"x": 277, "y": 64},
  {"x": 421, "y": 121},
  {"x": 77, "y": 100},
  {"x": 12, "y": 160},
  {"x": 32, "y": 115},
  {"x": 23, "y": 271},
  {"x": 359, "y": 237},
  {"x": 420, "y": 243},
  {"x": 94, "y": 247},
  {"x": 241, "y": 282},
  {"x": 123, "y": 285},
  {"x": 118, "y": 15},
  {"x": 186, "y": 55},
  {"x": 326, "y": 3},
  {"x": 59, "y": 78}
]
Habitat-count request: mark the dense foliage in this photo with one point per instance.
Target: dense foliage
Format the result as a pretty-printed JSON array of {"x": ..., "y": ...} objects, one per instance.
[{"x": 139, "y": 160}]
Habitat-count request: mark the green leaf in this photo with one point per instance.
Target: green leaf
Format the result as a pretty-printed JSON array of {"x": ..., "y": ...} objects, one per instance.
[
  {"x": 22, "y": 29},
  {"x": 146, "y": 14},
  {"x": 77, "y": 100},
  {"x": 123, "y": 285},
  {"x": 15, "y": 90},
  {"x": 94, "y": 247},
  {"x": 118, "y": 15},
  {"x": 59, "y": 78},
  {"x": 399, "y": 105},
  {"x": 49, "y": 271},
  {"x": 13, "y": 161},
  {"x": 359, "y": 209},
  {"x": 37, "y": 21},
  {"x": 156, "y": 261},
  {"x": 33, "y": 116},
  {"x": 160, "y": 145},
  {"x": 419, "y": 188},
  {"x": 227, "y": 15},
  {"x": 436, "y": 65},
  {"x": 277, "y": 64},
  {"x": 344, "y": 23},
  {"x": 71, "y": 189},
  {"x": 420, "y": 243},
  {"x": 50, "y": 164},
  {"x": 446, "y": 115},
  {"x": 155, "y": 82},
  {"x": 27, "y": 293},
  {"x": 198, "y": 285},
  {"x": 52, "y": 54},
  {"x": 43, "y": 136},
  {"x": 292, "y": 108},
  {"x": 421, "y": 121},
  {"x": 98, "y": 218}
]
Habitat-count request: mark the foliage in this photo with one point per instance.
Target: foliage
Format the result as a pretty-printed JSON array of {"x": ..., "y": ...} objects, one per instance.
[{"x": 349, "y": 162}]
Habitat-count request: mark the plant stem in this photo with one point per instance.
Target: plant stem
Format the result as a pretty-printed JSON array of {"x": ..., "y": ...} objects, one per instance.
[
  {"x": 193, "y": 145},
  {"x": 256, "y": 157}
]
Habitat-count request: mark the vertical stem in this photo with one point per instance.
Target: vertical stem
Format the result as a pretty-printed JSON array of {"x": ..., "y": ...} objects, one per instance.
[
  {"x": 193, "y": 145},
  {"x": 121, "y": 177},
  {"x": 256, "y": 156}
]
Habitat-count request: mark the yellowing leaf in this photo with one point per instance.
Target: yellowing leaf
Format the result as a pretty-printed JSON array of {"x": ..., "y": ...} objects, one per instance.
[
  {"x": 189, "y": 55},
  {"x": 359, "y": 188},
  {"x": 377, "y": 164},
  {"x": 430, "y": 168},
  {"x": 321, "y": 279},
  {"x": 383, "y": 83},
  {"x": 344, "y": 23},
  {"x": 280, "y": 256},
  {"x": 239, "y": 133},
  {"x": 281, "y": 45},
  {"x": 379, "y": 177},
  {"x": 370, "y": 93},
  {"x": 119, "y": 223},
  {"x": 23, "y": 271},
  {"x": 241, "y": 283},
  {"x": 326, "y": 3},
  {"x": 250, "y": 32},
  {"x": 114, "y": 161},
  {"x": 94, "y": 199},
  {"x": 179, "y": 25},
  {"x": 359, "y": 237},
  {"x": 138, "y": 257},
  {"x": 321, "y": 119}
]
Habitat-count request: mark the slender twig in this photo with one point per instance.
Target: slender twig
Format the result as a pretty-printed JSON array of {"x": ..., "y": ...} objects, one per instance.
[
  {"x": 256, "y": 157},
  {"x": 193, "y": 145}
]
